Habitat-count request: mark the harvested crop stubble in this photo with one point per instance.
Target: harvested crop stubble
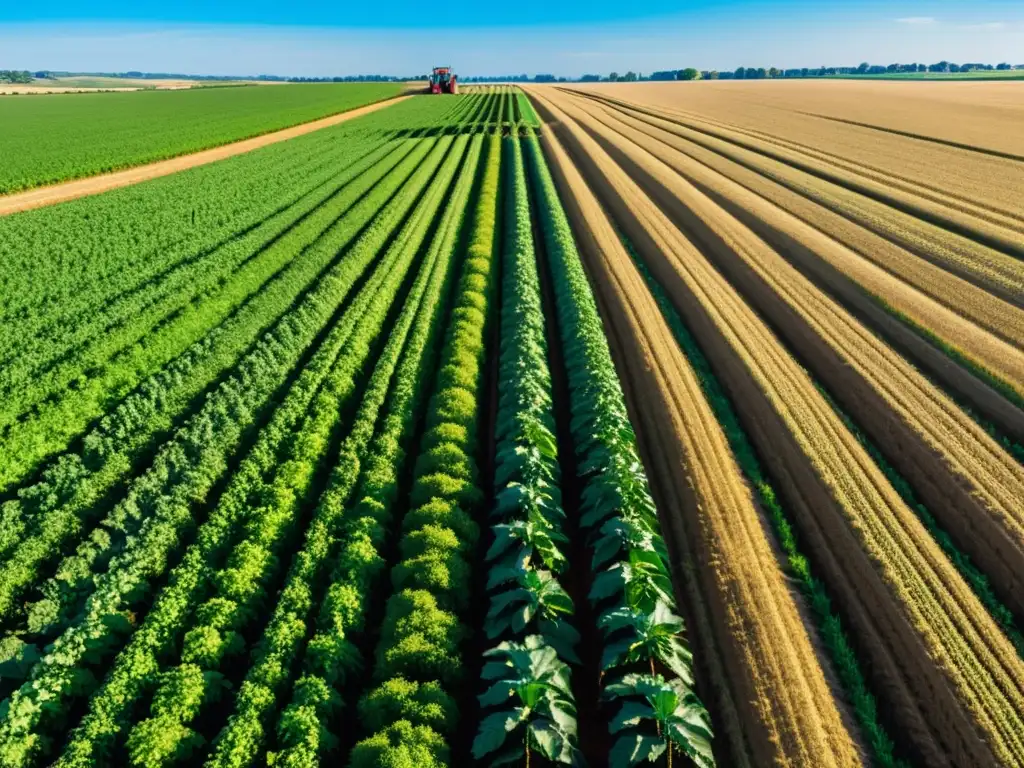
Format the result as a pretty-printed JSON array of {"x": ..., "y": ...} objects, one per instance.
[
  {"x": 952, "y": 681},
  {"x": 923, "y": 231},
  {"x": 970, "y": 171},
  {"x": 974, "y": 487},
  {"x": 711, "y": 171},
  {"x": 786, "y": 711}
]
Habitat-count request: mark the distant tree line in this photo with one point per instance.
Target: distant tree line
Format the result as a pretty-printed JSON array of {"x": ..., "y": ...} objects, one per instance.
[
  {"x": 747, "y": 73},
  {"x": 15, "y": 76},
  {"x": 512, "y": 79},
  {"x": 11, "y": 76},
  {"x": 688, "y": 73},
  {"x": 764, "y": 73}
]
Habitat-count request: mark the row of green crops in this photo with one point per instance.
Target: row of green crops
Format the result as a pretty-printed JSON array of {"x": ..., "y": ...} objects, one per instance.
[
  {"x": 47, "y": 140},
  {"x": 333, "y": 660},
  {"x": 243, "y": 738},
  {"x": 56, "y": 510},
  {"x": 418, "y": 664},
  {"x": 529, "y": 704},
  {"x": 241, "y": 588},
  {"x": 65, "y": 384},
  {"x": 148, "y": 523},
  {"x": 647, "y": 675}
]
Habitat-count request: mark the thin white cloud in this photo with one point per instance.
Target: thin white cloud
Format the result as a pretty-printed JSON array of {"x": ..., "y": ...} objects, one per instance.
[
  {"x": 917, "y": 21},
  {"x": 988, "y": 25}
]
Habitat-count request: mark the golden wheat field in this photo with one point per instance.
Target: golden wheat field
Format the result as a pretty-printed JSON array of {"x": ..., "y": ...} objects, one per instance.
[{"x": 838, "y": 265}]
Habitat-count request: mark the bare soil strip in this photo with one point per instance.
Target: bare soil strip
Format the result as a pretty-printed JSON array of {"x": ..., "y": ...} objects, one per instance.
[
  {"x": 979, "y": 115},
  {"x": 974, "y": 487},
  {"x": 969, "y": 250},
  {"x": 776, "y": 684},
  {"x": 93, "y": 185},
  {"x": 965, "y": 298},
  {"x": 814, "y": 252},
  {"x": 951, "y": 680}
]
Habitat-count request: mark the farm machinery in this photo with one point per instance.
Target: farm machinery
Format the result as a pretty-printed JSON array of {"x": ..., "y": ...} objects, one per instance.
[{"x": 443, "y": 80}]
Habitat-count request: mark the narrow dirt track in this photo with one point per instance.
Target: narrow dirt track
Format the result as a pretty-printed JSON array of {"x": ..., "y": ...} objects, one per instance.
[
  {"x": 949, "y": 678},
  {"x": 93, "y": 185},
  {"x": 786, "y": 712}
]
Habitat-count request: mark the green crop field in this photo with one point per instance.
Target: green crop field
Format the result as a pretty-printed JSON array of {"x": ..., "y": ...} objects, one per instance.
[
  {"x": 529, "y": 426},
  {"x": 65, "y": 136},
  {"x": 253, "y": 451}
]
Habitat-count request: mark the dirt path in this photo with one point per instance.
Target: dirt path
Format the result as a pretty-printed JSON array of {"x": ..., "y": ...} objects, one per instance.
[
  {"x": 93, "y": 185},
  {"x": 949, "y": 678},
  {"x": 775, "y": 704}
]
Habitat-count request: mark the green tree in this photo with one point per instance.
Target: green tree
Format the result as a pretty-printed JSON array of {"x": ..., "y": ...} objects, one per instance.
[
  {"x": 689, "y": 74},
  {"x": 613, "y": 77},
  {"x": 629, "y": 77}
]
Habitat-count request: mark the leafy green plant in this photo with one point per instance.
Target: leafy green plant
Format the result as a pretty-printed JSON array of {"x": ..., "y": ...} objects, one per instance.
[
  {"x": 657, "y": 717},
  {"x": 438, "y": 500},
  {"x": 632, "y": 588},
  {"x": 633, "y": 636},
  {"x": 534, "y": 710}
]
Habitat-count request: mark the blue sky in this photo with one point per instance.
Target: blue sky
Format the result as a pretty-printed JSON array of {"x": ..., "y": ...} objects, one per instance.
[{"x": 312, "y": 37}]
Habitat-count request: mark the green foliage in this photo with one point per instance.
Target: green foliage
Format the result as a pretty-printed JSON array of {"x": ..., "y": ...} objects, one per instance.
[
  {"x": 527, "y": 602},
  {"x": 419, "y": 703},
  {"x": 282, "y": 641},
  {"x": 655, "y": 716},
  {"x": 530, "y": 705},
  {"x": 47, "y": 140},
  {"x": 330, "y": 657},
  {"x": 420, "y": 641},
  {"x": 632, "y": 592},
  {"x": 401, "y": 745}
]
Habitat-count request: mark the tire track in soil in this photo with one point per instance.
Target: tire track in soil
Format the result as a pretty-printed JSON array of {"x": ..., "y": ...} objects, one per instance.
[{"x": 951, "y": 680}]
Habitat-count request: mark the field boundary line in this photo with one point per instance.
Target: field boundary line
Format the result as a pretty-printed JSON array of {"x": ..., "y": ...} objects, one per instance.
[{"x": 39, "y": 197}]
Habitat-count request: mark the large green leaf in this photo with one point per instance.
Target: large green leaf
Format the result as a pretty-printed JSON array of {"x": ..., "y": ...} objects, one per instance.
[
  {"x": 535, "y": 536},
  {"x": 637, "y": 636},
  {"x": 651, "y": 705},
  {"x": 539, "y": 595},
  {"x": 532, "y": 689},
  {"x": 630, "y": 715},
  {"x": 493, "y": 731},
  {"x": 563, "y": 637},
  {"x": 633, "y": 748}
]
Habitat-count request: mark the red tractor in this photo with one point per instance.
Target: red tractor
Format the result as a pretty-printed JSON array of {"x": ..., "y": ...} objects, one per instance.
[{"x": 443, "y": 80}]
